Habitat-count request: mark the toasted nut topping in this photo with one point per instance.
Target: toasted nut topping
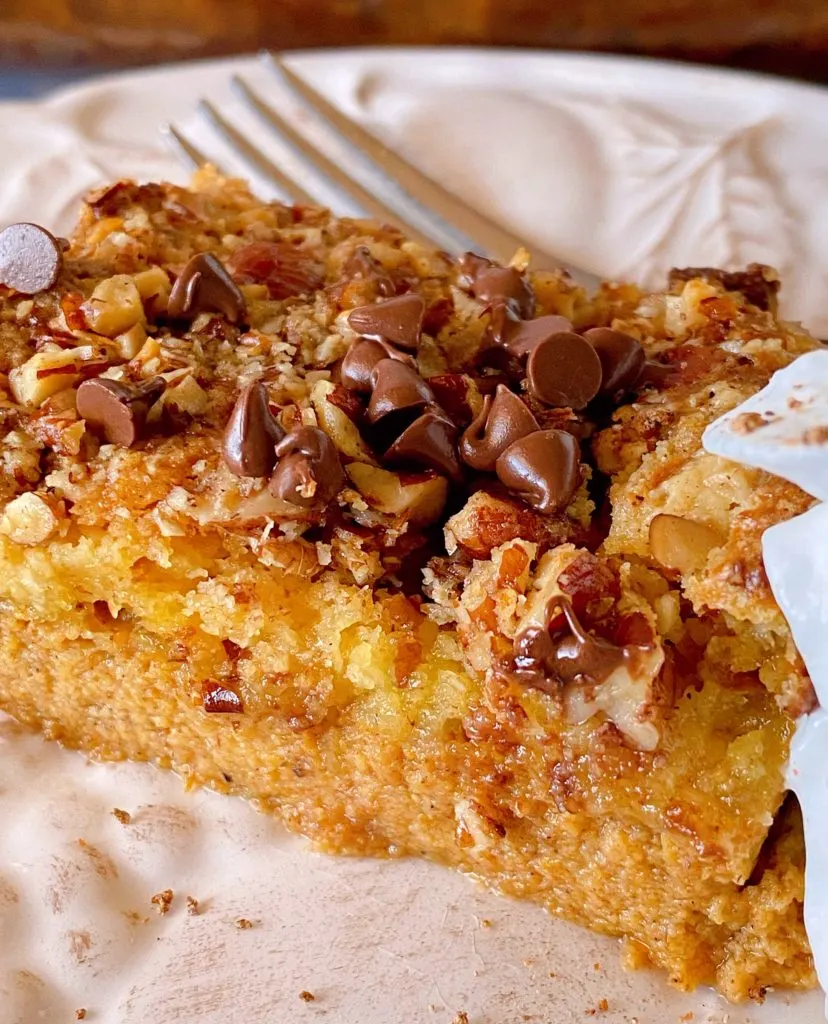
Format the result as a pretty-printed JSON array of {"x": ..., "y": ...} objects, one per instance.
[
  {"x": 502, "y": 422},
  {"x": 399, "y": 320},
  {"x": 52, "y": 370},
  {"x": 309, "y": 473},
  {"x": 117, "y": 410},
  {"x": 681, "y": 544},
  {"x": 564, "y": 370},
  {"x": 219, "y": 699},
  {"x": 251, "y": 434},
  {"x": 31, "y": 258},
  {"x": 622, "y": 358},
  {"x": 27, "y": 519},
  {"x": 396, "y": 387},
  {"x": 543, "y": 469},
  {"x": 114, "y": 306},
  {"x": 204, "y": 286},
  {"x": 336, "y": 423},
  {"x": 416, "y": 498},
  {"x": 429, "y": 442}
]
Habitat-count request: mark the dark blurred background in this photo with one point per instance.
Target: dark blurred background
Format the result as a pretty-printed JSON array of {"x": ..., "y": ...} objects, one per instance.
[{"x": 42, "y": 41}]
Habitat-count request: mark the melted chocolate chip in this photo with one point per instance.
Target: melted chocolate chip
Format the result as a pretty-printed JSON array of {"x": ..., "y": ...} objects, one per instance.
[
  {"x": 31, "y": 258},
  {"x": 504, "y": 284},
  {"x": 542, "y": 468},
  {"x": 251, "y": 434},
  {"x": 309, "y": 473},
  {"x": 622, "y": 358},
  {"x": 501, "y": 422},
  {"x": 469, "y": 266},
  {"x": 523, "y": 337},
  {"x": 429, "y": 442},
  {"x": 583, "y": 656},
  {"x": 362, "y": 265},
  {"x": 204, "y": 286},
  {"x": 548, "y": 664},
  {"x": 357, "y": 367},
  {"x": 399, "y": 320},
  {"x": 116, "y": 410},
  {"x": 564, "y": 371},
  {"x": 396, "y": 387}
]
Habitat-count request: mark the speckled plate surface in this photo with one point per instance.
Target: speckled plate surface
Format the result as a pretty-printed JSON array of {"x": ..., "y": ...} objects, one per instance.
[{"x": 624, "y": 167}]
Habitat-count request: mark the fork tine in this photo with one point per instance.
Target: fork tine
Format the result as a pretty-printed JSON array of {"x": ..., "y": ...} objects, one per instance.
[
  {"x": 472, "y": 228},
  {"x": 254, "y": 156},
  {"x": 336, "y": 176},
  {"x": 184, "y": 149}
]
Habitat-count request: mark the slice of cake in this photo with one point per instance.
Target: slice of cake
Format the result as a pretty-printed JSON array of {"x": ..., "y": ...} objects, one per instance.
[{"x": 421, "y": 554}]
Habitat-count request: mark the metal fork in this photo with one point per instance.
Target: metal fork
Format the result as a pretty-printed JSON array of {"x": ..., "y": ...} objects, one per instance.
[{"x": 439, "y": 214}]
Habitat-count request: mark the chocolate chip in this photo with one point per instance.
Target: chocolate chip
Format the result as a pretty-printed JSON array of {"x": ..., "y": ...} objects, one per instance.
[
  {"x": 31, "y": 258},
  {"x": 251, "y": 434},
  {"x": 429, "y": 442},
  {"x": 564, "y": 370},
  {"x": 504, "y": 284},
  {"x": 469, "y": 266},
  {"x": 548, "y": 664},
  {"x": 501, "y": 422},
  {"x": 399, "y": 320},
  {"x": 526, "y": 335},
  {"x": 542, "y": 468},
  {"x": 358, "y": 365},
  {"x": 362, "y": 266},
  {"x": 622, "y": 358},
  {"x": 396, "y": 386},
  {"x": 204, "y": 286},
  {"x": 116, "y": 410},
  {"x": 309, "y": 473}
]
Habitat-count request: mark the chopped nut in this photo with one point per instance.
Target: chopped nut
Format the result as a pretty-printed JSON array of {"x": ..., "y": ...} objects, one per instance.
[
  {"x": 339, "y": 428},
  {"x": 131, "y": 342},
  {"x": 461, "y": 1017},
  {"x": 681, "y": 544},
  {"x": 162, "y": 901},
  {"x": 243, "y": 923},
  {"x": 192, "y": 906},
  {"x": 416, "y": 497},
  {"x": 124, "y": 817},
  {"x": 114, "y": 306},
  {"x": 44, "y": 374},
  {"x": 154, "y": 288},
  {"x": 27, "y": 519},
  {"x": 188, "y": 397},
  {"x": 80, "y": 1014},
  {"x": 307, "y": 997}
]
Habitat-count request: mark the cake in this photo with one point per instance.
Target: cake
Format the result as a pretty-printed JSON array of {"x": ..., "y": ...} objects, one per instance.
[{"x": 421, "y": 554}]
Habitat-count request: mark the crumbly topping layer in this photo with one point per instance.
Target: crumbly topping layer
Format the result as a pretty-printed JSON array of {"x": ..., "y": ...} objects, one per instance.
[{"x": 199, "y": 363}]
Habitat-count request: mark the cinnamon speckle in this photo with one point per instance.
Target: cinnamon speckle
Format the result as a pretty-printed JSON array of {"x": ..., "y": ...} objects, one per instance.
[
  {"x": 243, "y": 923},
  {"x": 123, "y": 817},
  {"x": 461, "y": 1017},
  {"x": 307, "y": 997},
  {"x": 192, "y": 906},
  {"x": 80, "y": 1014}
]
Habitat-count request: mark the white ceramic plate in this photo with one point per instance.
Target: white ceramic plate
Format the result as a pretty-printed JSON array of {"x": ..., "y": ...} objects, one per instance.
[{"x": 625, "y": 167}]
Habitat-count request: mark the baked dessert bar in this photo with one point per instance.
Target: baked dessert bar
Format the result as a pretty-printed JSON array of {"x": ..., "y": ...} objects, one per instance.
[{"x": 423, "y": 555}]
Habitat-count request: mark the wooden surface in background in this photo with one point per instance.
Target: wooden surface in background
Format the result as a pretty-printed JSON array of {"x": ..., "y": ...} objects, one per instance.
[{"x": 784, "y": 36}]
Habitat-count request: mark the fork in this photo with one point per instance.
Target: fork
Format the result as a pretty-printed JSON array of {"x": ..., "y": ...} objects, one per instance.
[{"x": 445, "y": 214}]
